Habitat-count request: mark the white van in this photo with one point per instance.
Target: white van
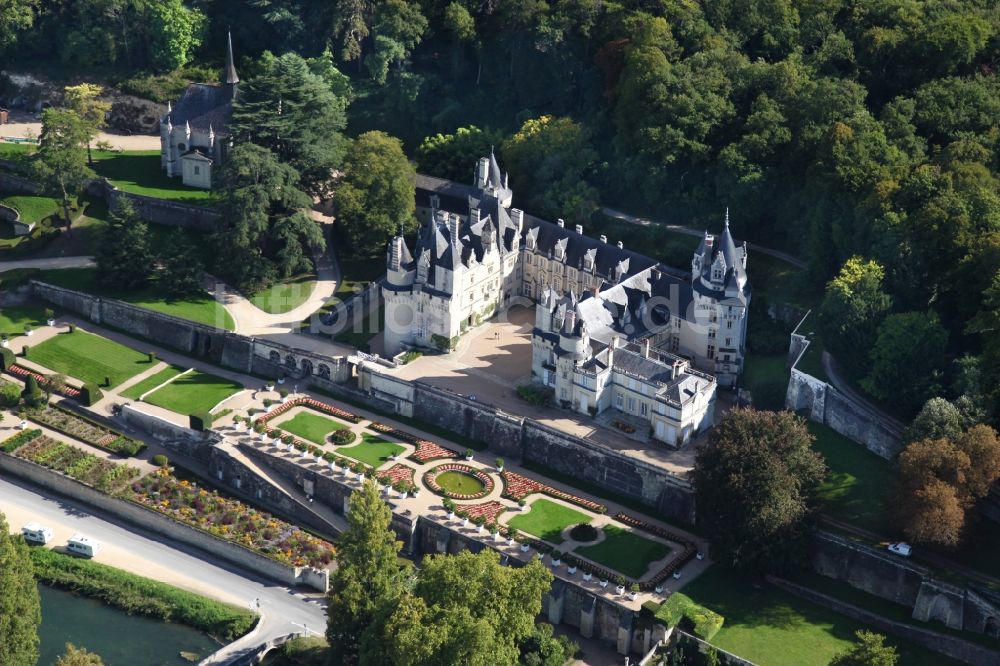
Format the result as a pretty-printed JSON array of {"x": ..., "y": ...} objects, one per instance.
[
  {"x": 82, "y": 545},
  {"x": 35, "y": 533}
]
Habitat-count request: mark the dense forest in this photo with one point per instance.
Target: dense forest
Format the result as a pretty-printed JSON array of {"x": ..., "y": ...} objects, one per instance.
[{"x": 832, "y": 129}]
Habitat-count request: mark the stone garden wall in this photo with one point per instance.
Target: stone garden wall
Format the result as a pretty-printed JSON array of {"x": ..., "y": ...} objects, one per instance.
[{"x": 159, "y": 211}]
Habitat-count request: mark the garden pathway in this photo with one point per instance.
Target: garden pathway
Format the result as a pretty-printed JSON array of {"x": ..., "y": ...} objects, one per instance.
[
  {"x": 21, "y": 130},
  {"x": 47, "y": 263}
]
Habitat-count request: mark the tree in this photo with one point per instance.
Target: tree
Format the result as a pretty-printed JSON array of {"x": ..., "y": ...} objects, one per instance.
[
  {"x": 981, "y": 445},
  {"x": 869, "y": 650},
  {"x": 264, "y": 232},
  {"x": 351, "y": 25},
  {"x": 60, "y": 163},
  {"x": 543, "y": 648},
  {"x": 83, "y": 100},
  {"x": 907, "y": 359},
  {"x": 32, "y": 394},
  {"x": 753, "y": 485},
  {"x": 368, "y": 575},
  {"x": 399, "y": 26},
  {"x": 175, "y": 31},
  {"x": 852, "y": 309},
  {"x": 937, "y": 419},
  {"x": 53, "y": 384},
  {"x": 15, "y": 16},
  {"x": 934, "y": 514},
  {"x": 463, "y": 609},
  {"x": 375, "y": 198},
  {"x": 454, "y": 156},
  {"x": 295, "y": 113},
  {"x": 20, "y": 610},
  {"x": 78, "y": 657},
  {"x": 180, "y": 265},
  {"x": 124, "y": 258},
  {"x": 550, "y": 160}
]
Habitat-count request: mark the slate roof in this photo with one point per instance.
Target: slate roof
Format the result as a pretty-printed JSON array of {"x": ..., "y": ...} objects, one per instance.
[{"x": 204, "y": 106}]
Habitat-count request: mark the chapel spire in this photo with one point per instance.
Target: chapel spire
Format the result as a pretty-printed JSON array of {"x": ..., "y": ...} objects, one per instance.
[{"x": 231, "y": 77}]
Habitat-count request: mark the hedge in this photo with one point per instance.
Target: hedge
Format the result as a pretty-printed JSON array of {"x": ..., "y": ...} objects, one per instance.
[
  {"x": 7, "y": 358},
  {"x": 90, "y": 394},
  {"x": 705, "y": 622},
  {"x": 141, "y": 596},
  {"x": 201, "y": 421},
  {"x": 15, "y": 442},
  {"x": 343, "y": 436}
]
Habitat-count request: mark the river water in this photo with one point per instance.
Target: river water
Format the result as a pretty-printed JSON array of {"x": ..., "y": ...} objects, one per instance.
[{"x": 120, "y": 639}]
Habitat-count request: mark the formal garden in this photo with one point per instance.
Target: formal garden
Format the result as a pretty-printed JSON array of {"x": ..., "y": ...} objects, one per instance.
[
  {"x": 193, "y": 392},
  {"x": 89, "y": 358}
]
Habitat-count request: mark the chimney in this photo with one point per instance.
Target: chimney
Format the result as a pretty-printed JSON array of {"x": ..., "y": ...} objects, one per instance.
[
  {"x": 621, "y": 246},
  {"x": 604, "y": 239},
  {"x": 709, "y": 240},
  {"x": 595, "y": 290},
  {"x": 645, "y": 347},
  {"x": 570, "y": 322},
  {"x": 474, "y": 216},
  {"x": 579, "y": 229},
  {"x": 611, "y": 350},
  {"x": 517, "y": 217},
  {"x": 561, "y": 223}
]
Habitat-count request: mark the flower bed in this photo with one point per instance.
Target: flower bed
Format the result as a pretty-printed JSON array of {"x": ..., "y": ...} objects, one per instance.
[
  {"x": 15, "y": 442},
  {"x": 24, "y": 373},
  {"x": 489, "y": 511},
  {"x": 311, "y": 404},
  {"x": 85, "y": 430},
  {"x": 518, "y": 486},
  {"x": 430, "y": 480},
  {"x": 231, "y": 520},
  {"x": 303, "y": 446},
  {"x": 426, "y": 451},
  {"x": 87, "y": 468},
  {"x": 397, "y": 473}
]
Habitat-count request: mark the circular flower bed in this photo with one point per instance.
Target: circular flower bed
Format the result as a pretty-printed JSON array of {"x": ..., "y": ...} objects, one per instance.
[
  {"x": 584, "y": 533},
  {"x": 446, "y": 479},
  {"x": 342, "y": 436}
]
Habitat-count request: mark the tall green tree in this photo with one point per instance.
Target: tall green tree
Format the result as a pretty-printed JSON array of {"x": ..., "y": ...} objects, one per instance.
[
  {"x": 368, "y": 575},
  {"x": 754, "y": 485},
  {"x": 454, "y": 156},
  {"x": 175, "y": 32},
  {"x": 181, "y": 266},
  {"x": 908, "y": 359},
  {"x": 84, "y": 100},
  {"x": 399, "y": 27},
  {"x": 16, "y": 16},
  {"x": 375, "y": 198},
  {"x": 60, "y": 164},
  {"x": 20, "y": 611},
  {"x": 295, "y": 113},
  {"x": 463, "y": 609},
  {"x": 352, "y": 21},
  {"x": 75, "y": 656},
  {"x": 852, "y": 309},
  {"x": 265, "y": 232},
  {"x": 124, "y": 256},
  {"x": 869, "y": 650}
]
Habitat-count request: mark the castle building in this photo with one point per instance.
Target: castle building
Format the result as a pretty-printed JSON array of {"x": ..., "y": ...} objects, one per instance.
[
  {"x": 194, "y": 135},
  {"x": 614, "y": 329}
]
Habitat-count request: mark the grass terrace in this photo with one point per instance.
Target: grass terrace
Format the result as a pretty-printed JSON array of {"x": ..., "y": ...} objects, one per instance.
[
  {"x": 89, "y": 358},
  {"x": 14, "y": 319},
  {"x": 624, "y": 551},
  {"x": 193, "y": 393},
  {"x": 310, "y": 426},
  {"x": 858, "y": 486},
  {"x": 547, "y": 519},
  {"x": 139, "y": 172},
  {"x": 201, "y": 308},
  {"x": 459, "y": 483},
  {"x": 31, "y": 208},
  {"x": 135, "y": 391},
  {"x": 372, "y": 450},
  {"x": 286, "y": 295},
  {"x": 12, "y": 150}
]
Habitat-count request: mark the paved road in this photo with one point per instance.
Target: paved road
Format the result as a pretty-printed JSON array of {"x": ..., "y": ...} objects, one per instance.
[
  {"x": 839, "y": 381},
  {"x": 47, "y": 263},
  {"x": 282, "y": 610},
  {"x": 646, "y": 222}
]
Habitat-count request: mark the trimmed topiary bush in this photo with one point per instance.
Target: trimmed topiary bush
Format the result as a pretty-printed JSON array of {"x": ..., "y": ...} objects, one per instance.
[
  {"x": 342, "y": 437},
  {"x": 32, "y": 394},
  {"x": 583, "y": 533},
  {"x": 7, "y": 358},
  {"x": 682, "y": 609},
  {"x": 90, "y": 393},
  {"x": 201, "y": 421},
  {"x": 160, "y": 460},
  {"x": 10, "y": 394}
]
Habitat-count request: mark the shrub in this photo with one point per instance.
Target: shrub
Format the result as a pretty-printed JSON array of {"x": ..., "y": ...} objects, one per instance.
[
  {"x": 10, "y": 394},
  {"x": 704, "y": 622},
  {"x": 160, "y": 460},
  {"x": 411, "y": 356},
  {"x": 7, "y": 358},
  {"x": 24, "y": 350},
  {"x": 90, "y": 393},
  {"x": 539, "y": 396},
  {"x": 11, "y": 444},
  {"x": 342, "y": 436},
  {"x": 201, "y": 421},
  {"x": 72, "y": 328},
  {"x": 32, "y": 394},
  {"x": 151, "y": 356},
  {"x": 583, "y": 532}
]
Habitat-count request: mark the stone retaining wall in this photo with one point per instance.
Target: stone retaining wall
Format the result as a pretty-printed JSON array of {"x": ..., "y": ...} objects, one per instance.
[
  {"x": 145, "y": 519},
  {"x": 159, "y": 211},
  {"x": 956, "y": 648}
]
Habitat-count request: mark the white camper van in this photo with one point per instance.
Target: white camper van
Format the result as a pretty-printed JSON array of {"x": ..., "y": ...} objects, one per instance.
[
  {"x": 83, "y": 546},
  {"x": 35, "y": 533}
]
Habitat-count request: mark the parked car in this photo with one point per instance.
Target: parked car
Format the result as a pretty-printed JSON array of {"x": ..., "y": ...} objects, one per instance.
[
  {"x": 900, "y": 548},
  {"x": 36, "y": 533},
  {"x": 84, "y": 546}
]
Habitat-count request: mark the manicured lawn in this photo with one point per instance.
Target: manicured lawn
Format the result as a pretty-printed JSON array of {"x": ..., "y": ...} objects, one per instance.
[
  {"x": 151, "y": 382},
  {"x": 13, "y": 319},
  {"x": 767, "y": 379},
  {"x": 774, "y": 628},
  {"x": 285, "y": 296},
  {"x": 546, "y": 520},
  {"x": 32, "y": 209},
  {"x": 139, "y": 172},
  {"x": 459, "y": 483},
  {"x": 311, "y": 426},
  {"x": 858, "y": 486},
  {"x": 624, "y": 551},
  {"x": 89, "y": 358},
  {"x": 200, "y": 308},
  {"x": 372, "y": 450},
  {"x": 193, "y": 393},
  {"x": 11, "y": 150}
]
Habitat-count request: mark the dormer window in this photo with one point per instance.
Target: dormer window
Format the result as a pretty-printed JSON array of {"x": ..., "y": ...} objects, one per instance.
[{"x": 716, "y": 273}]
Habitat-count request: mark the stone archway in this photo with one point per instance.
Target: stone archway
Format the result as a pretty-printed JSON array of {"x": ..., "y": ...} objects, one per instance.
[
  {"x": 324, "y": 371},
  {"x": 307, "y": 367},
  {"x": 274, "y": 357},
  {"x": 290, "y": 362}
]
